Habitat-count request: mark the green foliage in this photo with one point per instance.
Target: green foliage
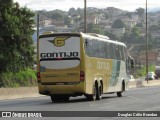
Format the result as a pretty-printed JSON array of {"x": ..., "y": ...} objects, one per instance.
[
  {"x": 118, "y": 24},
  {"x": 56, "y": 14},
  {"x": 90, "y": 27},
  {"x": 125, "y": 37},
  {"x": 67, "y": 21},
  {"x": 128, "y": 14},
  {"x": 107, "y": 16},
  {"x": 154, "y": 28},
  {"x": 140, "y": 11},
  {"x": 72, "y": 11},
  {"x": 142, "y": 71},
  {"x": 16, "y": 44},
  {"x": 135, "y": 31},
  {"x": 110, "y": 35},
  {"x": 97, "y": 30},
  {"x": 134, "y": 37},
  {"x": 139, "y": 25},
  {"x": 22, "y": 78}
]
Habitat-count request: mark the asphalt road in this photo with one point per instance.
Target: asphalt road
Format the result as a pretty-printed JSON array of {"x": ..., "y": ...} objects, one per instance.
[{"x": 135, "y": 99}]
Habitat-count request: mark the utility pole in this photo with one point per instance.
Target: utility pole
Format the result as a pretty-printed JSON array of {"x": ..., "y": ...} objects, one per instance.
[
  {"x": 85, "y": 16},
  {"x": 37, "y": 27},
  {"x": 146, "y": 45},
  {"x": 37, "y": 38}
]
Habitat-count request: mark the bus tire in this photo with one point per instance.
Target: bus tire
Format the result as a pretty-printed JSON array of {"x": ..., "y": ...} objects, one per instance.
[
  {"x": 92, "y": 97},
  {"x": 99, "y": 92},
  {"x": 119, "y": 94}
]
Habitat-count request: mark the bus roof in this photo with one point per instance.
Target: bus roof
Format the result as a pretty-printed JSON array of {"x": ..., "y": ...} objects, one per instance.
[
  {"x": 103, "y": 39},
  {"x": 59, "y": 34},
  {"x": 89, "y": 35}
]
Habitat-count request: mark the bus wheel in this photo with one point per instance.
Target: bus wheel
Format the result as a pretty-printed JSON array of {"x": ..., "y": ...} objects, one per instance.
[
  {"x": 65, "y": 98},
  {"x": 60, "y": 98},
  {"x": 92, "y": 97},
  {"x": 99, "y": 93},
  {"x": 119, "y": 94}
]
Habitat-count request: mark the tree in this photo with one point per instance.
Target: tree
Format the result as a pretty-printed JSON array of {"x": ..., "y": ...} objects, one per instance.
[
  {"x": 140, "y": 11},
  {"x": 16, "y": 28},
  {"x": 134, "y": 36},
  {"x": 56, "y": 14},
  {"x": 139, "y": 25},
  {"x": 90, "y": 27},
  {"x": 118, "y": 24},
  {"x": 125, "y": 37},
  {"x": 150, "y": 41},
  {"x": 154, "y": 28},
  {"x": 72, "y": 11},
  {"x": 128, "y": 14},
  {"x": 106, "y": 15},
  {"x": 67, "y": 20},
  {"x": 110, "y": 35},
  {"x": 135, "y": 31},
  {"x": 79, "y": 11},
  {"x": 96, "y": 30}
]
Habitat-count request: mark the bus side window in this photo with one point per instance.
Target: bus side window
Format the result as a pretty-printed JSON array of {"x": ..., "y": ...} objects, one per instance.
[
  {"x": 106, "y": 49},
  {"x": 96, "y": 48},
  {"x": 112, "y": 51},
  {"x": 89, "y": 47},
  {"x": 116, "y": 52},
  {"x": 102, "y": 50},
  {"x": 122, "y": 53}
]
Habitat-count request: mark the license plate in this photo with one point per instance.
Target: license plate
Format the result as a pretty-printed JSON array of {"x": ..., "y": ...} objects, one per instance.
[{"x": 60, "y": 83}]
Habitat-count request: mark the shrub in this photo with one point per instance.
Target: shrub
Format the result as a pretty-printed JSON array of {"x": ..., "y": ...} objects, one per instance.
[
  {"x": 23, "y": 78},
  {"x": 142, "y": 71}
]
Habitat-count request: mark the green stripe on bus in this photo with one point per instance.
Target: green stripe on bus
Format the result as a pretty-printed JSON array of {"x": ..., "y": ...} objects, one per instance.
[{"x": 115, "y": 72}]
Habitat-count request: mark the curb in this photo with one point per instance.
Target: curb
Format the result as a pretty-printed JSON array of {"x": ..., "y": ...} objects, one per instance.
[
  {"x": 27, "y": 92},
  {"x": 22, "y": 92},
  {"x": 135, "y": 84}
]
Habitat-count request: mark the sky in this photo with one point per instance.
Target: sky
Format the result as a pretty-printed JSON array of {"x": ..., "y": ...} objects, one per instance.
[{"x": 129, "y": 5}]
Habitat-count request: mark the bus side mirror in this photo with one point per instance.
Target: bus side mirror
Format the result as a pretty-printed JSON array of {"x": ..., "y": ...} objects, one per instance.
[
  {"x": 132, "y": 63},
  {"x": 86, "y": 43}
]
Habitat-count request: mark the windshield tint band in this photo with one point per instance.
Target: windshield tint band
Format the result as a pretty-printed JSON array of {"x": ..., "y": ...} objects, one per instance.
[
  {"x": 49, "y": 59},
  {"x": 55, "y": 35}
]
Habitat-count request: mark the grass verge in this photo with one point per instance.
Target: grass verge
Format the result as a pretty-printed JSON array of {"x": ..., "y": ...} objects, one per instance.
[{"x": 24, "y": 78}]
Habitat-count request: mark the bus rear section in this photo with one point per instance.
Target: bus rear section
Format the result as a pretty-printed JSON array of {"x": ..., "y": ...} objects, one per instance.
[{"x": 59, "y": 66}]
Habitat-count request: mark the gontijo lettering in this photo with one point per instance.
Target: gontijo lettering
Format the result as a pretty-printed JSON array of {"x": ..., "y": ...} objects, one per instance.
[{"x": 59, "y": 54}]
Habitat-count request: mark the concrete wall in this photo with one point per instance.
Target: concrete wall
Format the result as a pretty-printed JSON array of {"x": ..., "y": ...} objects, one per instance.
[{"x": 25, "y": 92}]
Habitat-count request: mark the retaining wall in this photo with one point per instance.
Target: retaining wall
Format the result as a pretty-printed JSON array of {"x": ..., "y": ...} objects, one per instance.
[{"x": 22, "y": 92}]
